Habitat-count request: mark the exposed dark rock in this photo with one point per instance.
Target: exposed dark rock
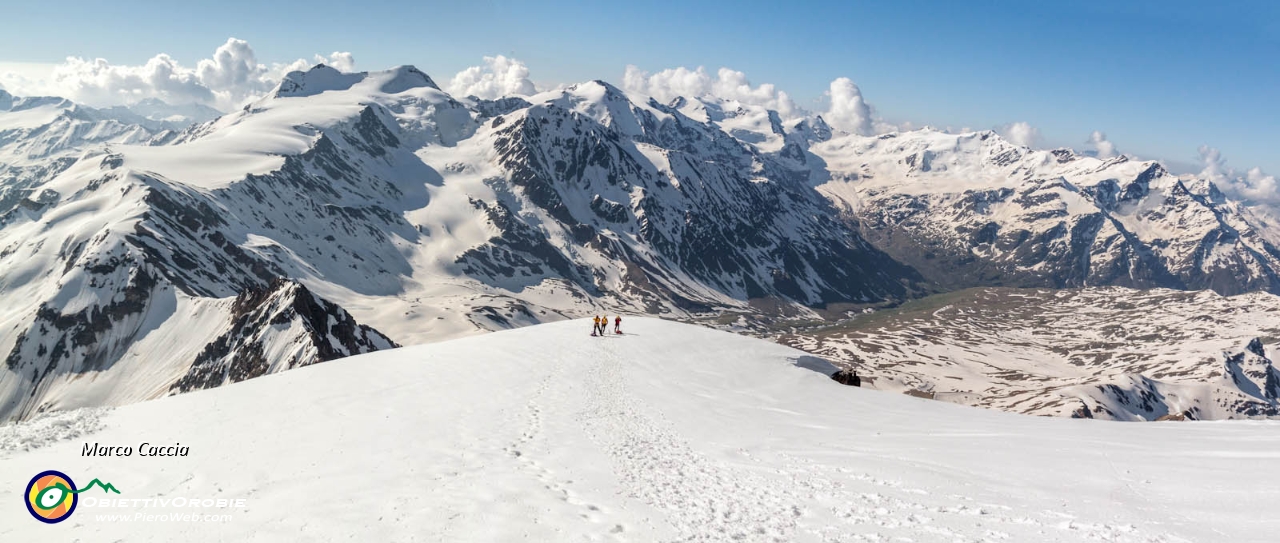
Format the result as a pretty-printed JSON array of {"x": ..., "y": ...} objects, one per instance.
[
  {"x": 238, "y": 354},
  {"x": 498, "y": 108},
  {"x": 65, "y": 335},
  {"x": 608, "y": 210},
  {"x": 847, "y": 377}
]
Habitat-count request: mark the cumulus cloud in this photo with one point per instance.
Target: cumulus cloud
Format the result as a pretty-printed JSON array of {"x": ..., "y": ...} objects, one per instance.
[
  {"x": 227, "y": 79},
  {"x": 233, "y": 66},
  {"x": 1215, "y": 167},
  {"x": 1101, "y": 146},
  {"x": 1253, "y": 187},
  {"x": 849, "y": 111},
  {"x": 1021, "y": 133},
  {"x": 500, "y": 76},
  {"x": 1261, "y": 186},
  {"x": 341, "y": 61},
  {"x": 99, "y": 82},
  {"x": 726, "y": 84},
  {"x": 25, "y": 79}
]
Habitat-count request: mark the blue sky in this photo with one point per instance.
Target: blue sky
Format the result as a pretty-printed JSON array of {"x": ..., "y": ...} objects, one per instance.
[{"x": 1161, "y": 78}]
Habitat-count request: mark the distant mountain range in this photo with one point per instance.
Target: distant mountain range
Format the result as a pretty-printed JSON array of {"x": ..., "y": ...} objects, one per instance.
[{"x": 141, "y": 254}]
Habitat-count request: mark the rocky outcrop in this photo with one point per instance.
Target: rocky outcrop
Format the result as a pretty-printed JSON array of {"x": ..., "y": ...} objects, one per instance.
[
  {"x": 296, "y": 326},
  {"x": 1256, "y": 378}
]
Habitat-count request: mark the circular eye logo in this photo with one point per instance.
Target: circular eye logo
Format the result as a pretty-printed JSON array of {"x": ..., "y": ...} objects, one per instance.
[{"x": 51, "y": 497}]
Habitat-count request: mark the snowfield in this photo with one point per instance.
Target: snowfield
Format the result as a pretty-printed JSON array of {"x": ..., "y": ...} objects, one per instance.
[{"x": 670, "y": 433}]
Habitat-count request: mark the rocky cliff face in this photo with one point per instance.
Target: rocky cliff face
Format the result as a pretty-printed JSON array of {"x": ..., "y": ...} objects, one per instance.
[
  {"x": 1257, "y": 378},
  {"x": 277, "y": 328},
  {"x": 663, "y": 196}
]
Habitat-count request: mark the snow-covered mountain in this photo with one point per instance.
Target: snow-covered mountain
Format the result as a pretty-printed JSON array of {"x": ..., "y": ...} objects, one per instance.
[
  {"x": 670, "y": 433},
  {"x": 975, "y": 210},
  {"x": 42, "y": 136},
  {"x": 424, "y": 216},
  {"x": 178, "y": 114},
  {"x": 1111, "y": 353}
]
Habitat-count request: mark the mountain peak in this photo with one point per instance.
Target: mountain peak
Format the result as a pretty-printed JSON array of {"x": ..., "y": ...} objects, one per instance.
[
  {"x": 180, "y": 114},
  {"x": 813, "y": 129},
  {"x": 322, "y": 78},
  {"x": 318, "y": 79},
  {"x": 403, "y": 78}
]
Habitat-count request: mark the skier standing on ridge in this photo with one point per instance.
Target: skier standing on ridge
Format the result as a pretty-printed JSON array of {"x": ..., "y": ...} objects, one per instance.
[
  {"x": 595, "y": 328},
  {"x": 617, "y": 324}
]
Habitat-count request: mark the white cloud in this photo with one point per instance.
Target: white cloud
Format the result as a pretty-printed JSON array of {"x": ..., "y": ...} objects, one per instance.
[
  {"x": 1215, "y": 167},
  {"x": 233, "y": 67},
  {"x": 25, "y": 79},
  {"x": 99, "y": 82},
  {"x": 727, "y": 84},
  {"x": 343, "y": 62},
  {"x": 849, "y": 111},
  {"x": 1101, "y": 146},
  {"x": 500, "y": 76},
  {"x": 1021, "y": 133},
  {"x": 226, "y": 80},
  {"x": 1254, "y": 187}
]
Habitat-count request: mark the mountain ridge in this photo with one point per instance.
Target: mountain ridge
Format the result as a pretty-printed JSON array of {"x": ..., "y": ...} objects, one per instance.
[{"x": 429, "y": 217}]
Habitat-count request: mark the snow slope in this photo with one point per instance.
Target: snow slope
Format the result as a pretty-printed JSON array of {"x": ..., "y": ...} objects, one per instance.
[{"x": 669, "y": 433}]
